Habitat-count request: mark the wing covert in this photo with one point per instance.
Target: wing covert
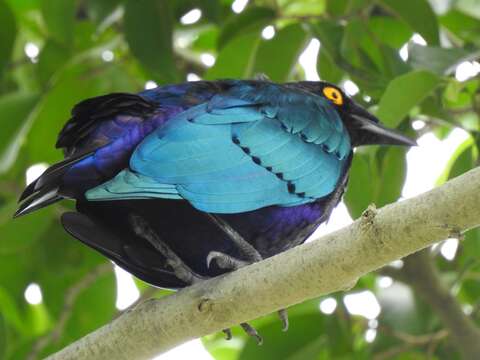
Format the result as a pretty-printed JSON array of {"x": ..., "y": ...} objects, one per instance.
[{"x": 235, "y": 154}]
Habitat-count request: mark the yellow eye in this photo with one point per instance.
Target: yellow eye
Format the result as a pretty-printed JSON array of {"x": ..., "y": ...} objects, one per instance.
[{"x": 334, "y": 95}]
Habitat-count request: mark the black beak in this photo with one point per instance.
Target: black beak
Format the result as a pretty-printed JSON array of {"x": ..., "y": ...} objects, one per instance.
[{"x": 366, "y": 129}]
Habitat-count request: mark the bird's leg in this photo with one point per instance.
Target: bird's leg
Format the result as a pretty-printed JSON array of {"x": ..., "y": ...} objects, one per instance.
[
  {"x": 227, "y": 262},
  {"x": 244, "y": 247},
  {"x": 180, "y": 269}
]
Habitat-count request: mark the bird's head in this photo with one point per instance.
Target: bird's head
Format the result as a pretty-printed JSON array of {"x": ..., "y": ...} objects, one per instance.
[{"x": 363, "y": 127}]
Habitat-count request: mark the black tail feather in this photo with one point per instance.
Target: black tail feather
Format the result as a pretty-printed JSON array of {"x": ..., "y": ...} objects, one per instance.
[
  {"x": 46, "y": 189},
  {"x": 140, "y": 260},
  {"x": 37, "y": 201}
]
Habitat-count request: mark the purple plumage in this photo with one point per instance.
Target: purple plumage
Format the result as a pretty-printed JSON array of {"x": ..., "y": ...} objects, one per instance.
[
  {"x": 149, "y": 236},
  {"x": 116, "y": 139}
]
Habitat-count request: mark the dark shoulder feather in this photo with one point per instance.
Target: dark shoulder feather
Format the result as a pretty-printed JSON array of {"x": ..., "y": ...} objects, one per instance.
[{"x": 87, "y": 113}]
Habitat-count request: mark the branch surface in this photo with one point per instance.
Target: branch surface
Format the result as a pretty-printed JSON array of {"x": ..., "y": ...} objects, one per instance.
[
  {"x": 331, "y": 263},
  {"x": 424, "y": 278}
]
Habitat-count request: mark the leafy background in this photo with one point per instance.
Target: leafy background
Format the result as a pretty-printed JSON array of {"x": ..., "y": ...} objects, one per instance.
[{"x": 54, "y": 53}]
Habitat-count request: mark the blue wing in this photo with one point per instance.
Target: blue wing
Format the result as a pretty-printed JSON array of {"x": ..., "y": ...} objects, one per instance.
[{"x": 238, "y": 152}]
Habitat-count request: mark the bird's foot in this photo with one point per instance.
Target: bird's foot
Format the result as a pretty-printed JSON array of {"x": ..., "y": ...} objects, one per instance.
[
  {"x": 243, "y": 247},
  {"x": 250, "y": 330},
  {"x": 228, "y": 334},
  {"x": 180, "y": 269},
  {"x": 227, "y": 262},
  {"x": 283, "y": 315},
  {"x": 230, "y": 263}
]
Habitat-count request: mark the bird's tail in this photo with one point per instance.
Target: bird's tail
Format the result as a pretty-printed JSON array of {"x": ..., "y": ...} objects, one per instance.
[{"x": 47, "y": 189}]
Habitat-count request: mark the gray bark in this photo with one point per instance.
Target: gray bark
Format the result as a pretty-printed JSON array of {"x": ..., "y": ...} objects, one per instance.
[{"x": 331, "y": 263}]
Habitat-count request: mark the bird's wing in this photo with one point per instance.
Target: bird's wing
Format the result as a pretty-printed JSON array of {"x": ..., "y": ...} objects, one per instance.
[
  {"x": 87, "y": 114},
  {"x": 238, "y": 152}
]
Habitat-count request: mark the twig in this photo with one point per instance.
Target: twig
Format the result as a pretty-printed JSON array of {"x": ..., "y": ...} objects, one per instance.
[
  {"x": 416, "y": 340},
  {"x": 409, "y": 342},
  {"x": 422, "y": 275},
  {"x": 70, "y": 297}
]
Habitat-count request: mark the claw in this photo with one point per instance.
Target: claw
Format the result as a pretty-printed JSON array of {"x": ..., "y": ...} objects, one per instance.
[
  {"x": 211, "y": 256},
  {"x": 250, "y": 330},
  {"x": 228, "y": 334},
  {"x": 225, "y": 261},
  {"x": 283, "y": 315}
]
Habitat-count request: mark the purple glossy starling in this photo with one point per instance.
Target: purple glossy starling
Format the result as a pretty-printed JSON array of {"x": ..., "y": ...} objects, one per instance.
[{"x": 185, "y": 182}]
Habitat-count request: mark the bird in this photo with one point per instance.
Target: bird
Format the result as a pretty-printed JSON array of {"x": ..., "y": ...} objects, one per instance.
[{"x": 185, "y": 182}]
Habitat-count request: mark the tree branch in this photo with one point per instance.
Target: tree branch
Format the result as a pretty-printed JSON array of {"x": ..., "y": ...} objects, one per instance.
[
  {"x": 423, "y": 276},
  {"x": 409, "y": 342},
  {"x": 333, "y": 262}
]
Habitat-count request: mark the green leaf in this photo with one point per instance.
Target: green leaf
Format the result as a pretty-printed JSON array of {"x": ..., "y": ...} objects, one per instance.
[
  {"x": 14, "y": 109},
  {"x": 471, "y": 246},
  {"x": 391, "y": 31},
  {"x": 376, "y": 176},
  {"x": 12, "y": 315},
  {"x": 93, "y": 307},
  {"x": 236, "y": 59},
  {"x": 327, "y": 69},
  {"x": 206, "y": 40},
  {"x": 3, "y": 337},
  {"x": 61, "y": 263},
  {"x": 16, "y": 272},
  {"x": 253, "y": 19},
  {"x": 391, "y": 175},
  {"x": 463, "y": 25},
  {"x": 357, "y": 5},
  {"x": 304, "y": 8},
  {"x": 148, "y": 31},
  {"x": 330, "y": 35},
  {"x": 441, "y": 61},
  {"x": 212, "y": 10},
  {"x": 306, "y": 340},
  {"x": 418, "y": 15},
  {"x": 7, "y": 35},
  {"x": 462, "y": 160},
  {"x": 52, "y": 58},
  {"x": 349, "y": 48},
  {"x": 403, "y": 93},
  {"x": 22, "y": 6},
  {"x": 361, "y": 186},
  {"x": 336, "y": 7},
  {"x": 19, "y": 234},
  {"x": 432, "y": 106},
  {"x": 285, "y": 48},
  {"x": 469, "y": 6},
  {"x": 59, "y": 17},
  {"x": 73, "y": 84},
  {"x": 101, "y": 10},
  {"x": 393, "y": 64}
]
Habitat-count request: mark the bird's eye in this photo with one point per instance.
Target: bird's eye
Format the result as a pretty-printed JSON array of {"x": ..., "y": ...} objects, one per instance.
[{"x": 333, "y": 94}]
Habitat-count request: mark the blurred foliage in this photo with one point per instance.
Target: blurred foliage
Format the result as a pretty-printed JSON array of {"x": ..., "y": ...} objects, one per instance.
[{"x": 91, "y": 47}]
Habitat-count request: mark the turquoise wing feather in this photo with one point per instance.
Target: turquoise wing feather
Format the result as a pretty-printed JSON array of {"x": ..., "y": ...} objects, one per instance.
[{"x": 239, "y": 152}]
